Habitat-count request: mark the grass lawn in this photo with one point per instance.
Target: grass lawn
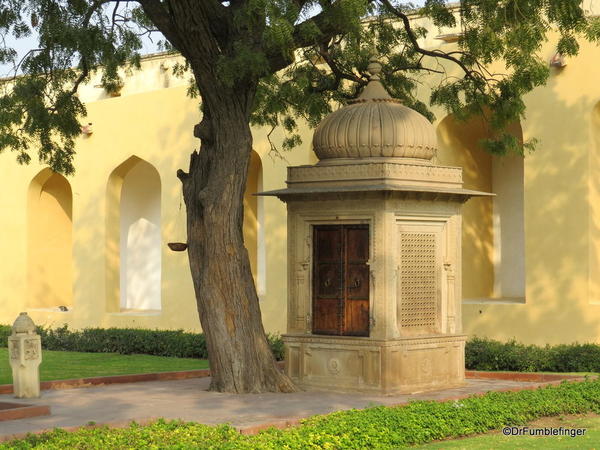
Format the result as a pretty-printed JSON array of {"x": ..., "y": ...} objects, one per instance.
[
  {"x": 64, "y": 365},
  {"x": 497, "y": 440}
]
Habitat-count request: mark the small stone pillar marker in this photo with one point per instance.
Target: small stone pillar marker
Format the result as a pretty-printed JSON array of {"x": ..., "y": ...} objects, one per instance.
[{"x": 25, "y": 352}]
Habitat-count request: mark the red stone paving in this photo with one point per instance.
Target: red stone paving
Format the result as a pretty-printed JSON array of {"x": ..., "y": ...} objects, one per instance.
[
  {"x": 114, "y": 379},
  {"x": 521, "y": 376},
  {"x": 14, "y": 411}
]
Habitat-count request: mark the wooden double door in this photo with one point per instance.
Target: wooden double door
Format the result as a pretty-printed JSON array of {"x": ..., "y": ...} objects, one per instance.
[{"x": 341, "y": 280}]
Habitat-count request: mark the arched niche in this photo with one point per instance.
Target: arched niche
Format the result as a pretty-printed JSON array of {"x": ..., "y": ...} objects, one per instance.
[
  {"x": 50, "y": 241},
  {"x": 134, "y": 237},
  {"x": 254, "y": 222},
  {"x": 493, "y": 228},
  {"x": 594, "y": 205}
]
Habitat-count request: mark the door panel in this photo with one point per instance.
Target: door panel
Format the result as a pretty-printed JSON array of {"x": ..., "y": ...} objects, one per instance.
[
  {"x": 357, "y": 281},
  {"x": 356, "y": 318},
  {"x": 328, "y": 240},
  {"x": 326, "y": 317},
  {"x": 357, "y": 242},
  {"x": 341, "y": 280},
  {"x": 327, "y": 280}
]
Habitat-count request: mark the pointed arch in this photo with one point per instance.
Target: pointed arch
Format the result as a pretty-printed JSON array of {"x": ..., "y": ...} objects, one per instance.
[
  {"x": 594, "y": 205},
  {"x": 253, "y": 222},
  {"x": 50, "y": 241},
  {"x": 133, "y": 244},
  {"x": 493, "y": 228}
]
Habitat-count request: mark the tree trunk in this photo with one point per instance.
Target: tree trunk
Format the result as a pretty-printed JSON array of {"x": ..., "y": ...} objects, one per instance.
[
  {"x": 206, "y": 34},
  {"x": 240, "y": 357}
]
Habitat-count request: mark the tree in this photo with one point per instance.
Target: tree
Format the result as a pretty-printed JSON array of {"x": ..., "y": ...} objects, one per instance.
[{"x": 266, "y": 62}]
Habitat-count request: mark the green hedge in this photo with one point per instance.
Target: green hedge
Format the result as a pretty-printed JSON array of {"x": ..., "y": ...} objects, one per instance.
[
  {"x": 378, "y": 427},
  {"x": 176, "y": 343},
  {"x": 4, "y": 333},
  {"x": 486, "y": 354},
  {"x": 480, "y": 354}
]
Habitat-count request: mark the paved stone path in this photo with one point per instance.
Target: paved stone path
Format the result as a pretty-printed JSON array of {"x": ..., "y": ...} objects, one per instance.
[{"x": 188, "y": 400}]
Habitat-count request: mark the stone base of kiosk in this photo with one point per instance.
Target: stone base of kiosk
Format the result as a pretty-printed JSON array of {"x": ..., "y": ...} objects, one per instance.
[{"x": 360, "y": 364}]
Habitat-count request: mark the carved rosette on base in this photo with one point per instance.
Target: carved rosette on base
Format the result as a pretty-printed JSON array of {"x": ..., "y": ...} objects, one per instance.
[
  {"x": 374, "y": 255},
  {"x": 25, "y": 353},
  {"x": 394, "y": 366}
]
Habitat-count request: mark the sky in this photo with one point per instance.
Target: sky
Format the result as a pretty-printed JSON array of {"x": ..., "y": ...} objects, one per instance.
[{"x": 24, "y": 45}]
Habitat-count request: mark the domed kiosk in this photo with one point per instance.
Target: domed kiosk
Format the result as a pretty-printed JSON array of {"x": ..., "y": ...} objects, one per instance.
[
  {"x": 374, "y": 254},
  {"x": 374, "y": 127}
]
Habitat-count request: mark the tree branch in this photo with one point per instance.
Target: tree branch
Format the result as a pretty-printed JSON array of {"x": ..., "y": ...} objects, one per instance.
[
  {"x": 157, "y": 13},
  {"x": 432, "y": 53},
  {"x": 301, "y": 39},
  {"x": 335, "y": 68}
]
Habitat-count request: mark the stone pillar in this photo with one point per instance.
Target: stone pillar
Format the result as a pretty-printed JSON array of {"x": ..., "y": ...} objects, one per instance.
[{"x": 25, "y": 353}]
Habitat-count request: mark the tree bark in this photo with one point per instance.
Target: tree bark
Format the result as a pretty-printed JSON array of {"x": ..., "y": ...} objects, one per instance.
[{"x": 240, "y": 357}]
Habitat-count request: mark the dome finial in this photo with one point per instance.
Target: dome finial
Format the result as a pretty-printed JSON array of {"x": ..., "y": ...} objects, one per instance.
[
  {"x": 374, "y": 90},
  {"x": 374, "y": 68}
]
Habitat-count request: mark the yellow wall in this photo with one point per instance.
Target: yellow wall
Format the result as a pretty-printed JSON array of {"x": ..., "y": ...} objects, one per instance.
[
  {"x": 594, "y": 215},
  {"x": 459, "y": 146},
  {"x": 561, "y": 214},
  {"x": 153, "y": 121},
  {"x": 49, "y": 241},
  {"x": 251, "y": 212}
]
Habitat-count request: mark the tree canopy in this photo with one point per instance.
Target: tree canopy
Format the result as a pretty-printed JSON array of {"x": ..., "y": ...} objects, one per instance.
[{"x": 307, "y": 56}]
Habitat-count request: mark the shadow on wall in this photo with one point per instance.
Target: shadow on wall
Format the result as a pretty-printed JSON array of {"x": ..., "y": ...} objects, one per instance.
[
  {"x": 459, "y": 146},
  {"x": 493, "y": 227},
  {"x": 50, "y": 241},
  {"x": 97, "y": 242},
  {"x": 594, "y": 202},
  {"x": 252, "y": 219},
  {"x": 557, "y": 207}
]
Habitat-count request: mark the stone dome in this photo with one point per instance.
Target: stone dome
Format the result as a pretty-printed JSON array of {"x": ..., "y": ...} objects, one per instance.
[
  {"x": 23, "y": 324},
  {"x": 374, "y": 126}
]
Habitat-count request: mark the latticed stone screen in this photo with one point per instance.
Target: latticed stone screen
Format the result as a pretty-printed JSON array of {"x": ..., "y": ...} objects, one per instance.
[{"x": 418, "y": 284}]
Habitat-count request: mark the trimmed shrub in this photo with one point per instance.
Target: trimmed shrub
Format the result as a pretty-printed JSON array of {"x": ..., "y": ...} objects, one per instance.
[
  {"x": 484, "y": 354},
  {"x": 480, "y": 353},
  {"x": 487, "y": 354},
  {"x": 5, "y": 331},
  {"x": 176, "y": 343},
  {"x": 126, "y": 341},
  {"x": 576, "y": 358}
]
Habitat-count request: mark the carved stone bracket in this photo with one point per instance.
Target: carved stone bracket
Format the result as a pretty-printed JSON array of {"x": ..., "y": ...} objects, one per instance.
[
  {"x": 450, "y": 276},
  {"x": 298, "y": 302}
]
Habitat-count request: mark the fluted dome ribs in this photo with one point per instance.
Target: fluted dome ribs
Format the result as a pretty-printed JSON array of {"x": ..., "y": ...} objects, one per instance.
[{"x": 375, "y": 126}]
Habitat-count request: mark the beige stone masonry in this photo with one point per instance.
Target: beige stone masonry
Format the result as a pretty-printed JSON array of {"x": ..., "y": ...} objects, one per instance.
[
  {"x": 25, "y": 353},
  {"x": 408, "y": 336},
  {"x": 415, "y": 341},
  {"x": 373, "y": 172},
  {"x": 398, "y": 366}
]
